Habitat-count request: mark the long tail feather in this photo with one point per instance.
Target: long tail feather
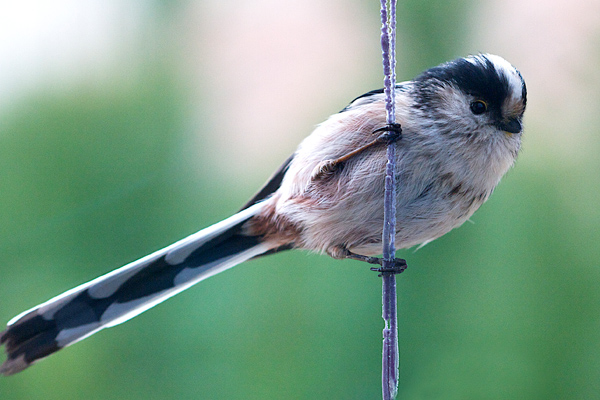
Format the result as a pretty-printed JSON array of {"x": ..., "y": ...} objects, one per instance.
[{"x": 128, "y": 291}]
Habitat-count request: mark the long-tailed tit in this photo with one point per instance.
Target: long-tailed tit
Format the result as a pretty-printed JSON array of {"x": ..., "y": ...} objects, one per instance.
[{"x": 461, "y": 131}]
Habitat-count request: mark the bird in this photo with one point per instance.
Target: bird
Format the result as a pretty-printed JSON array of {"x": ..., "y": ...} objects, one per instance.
[{"x": 458, "y": 131}]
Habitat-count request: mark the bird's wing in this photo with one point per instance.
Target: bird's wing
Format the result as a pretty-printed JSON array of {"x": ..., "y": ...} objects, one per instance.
[{"x": 271, "y": 185}]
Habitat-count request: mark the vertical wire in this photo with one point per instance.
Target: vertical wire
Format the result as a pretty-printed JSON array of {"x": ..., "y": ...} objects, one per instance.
[{"x": 390, "y": 354}]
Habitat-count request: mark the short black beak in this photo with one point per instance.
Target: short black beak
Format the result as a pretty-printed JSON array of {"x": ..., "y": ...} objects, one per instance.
[{"x": 512, "y": 125}]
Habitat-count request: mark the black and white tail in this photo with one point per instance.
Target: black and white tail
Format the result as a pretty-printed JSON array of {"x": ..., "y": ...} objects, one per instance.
[{"x": 128, "y": 291}]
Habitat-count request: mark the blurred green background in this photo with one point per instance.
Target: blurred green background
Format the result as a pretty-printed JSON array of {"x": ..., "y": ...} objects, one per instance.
[{"x": 125, "y": 126}]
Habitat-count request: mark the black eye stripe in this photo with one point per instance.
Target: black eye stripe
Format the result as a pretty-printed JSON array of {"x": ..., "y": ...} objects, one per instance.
[{"x": 475, "y": 76}]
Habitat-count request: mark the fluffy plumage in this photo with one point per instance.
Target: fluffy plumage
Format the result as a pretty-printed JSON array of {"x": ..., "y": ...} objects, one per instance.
[{"x": 461, "y": 127}]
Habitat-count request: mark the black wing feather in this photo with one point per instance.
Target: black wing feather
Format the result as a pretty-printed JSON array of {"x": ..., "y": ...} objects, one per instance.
[{"x": 271, "y": 185}]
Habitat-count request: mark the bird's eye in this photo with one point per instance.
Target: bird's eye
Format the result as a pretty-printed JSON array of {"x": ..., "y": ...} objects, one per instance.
[{"x": 478, "y": 107}]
